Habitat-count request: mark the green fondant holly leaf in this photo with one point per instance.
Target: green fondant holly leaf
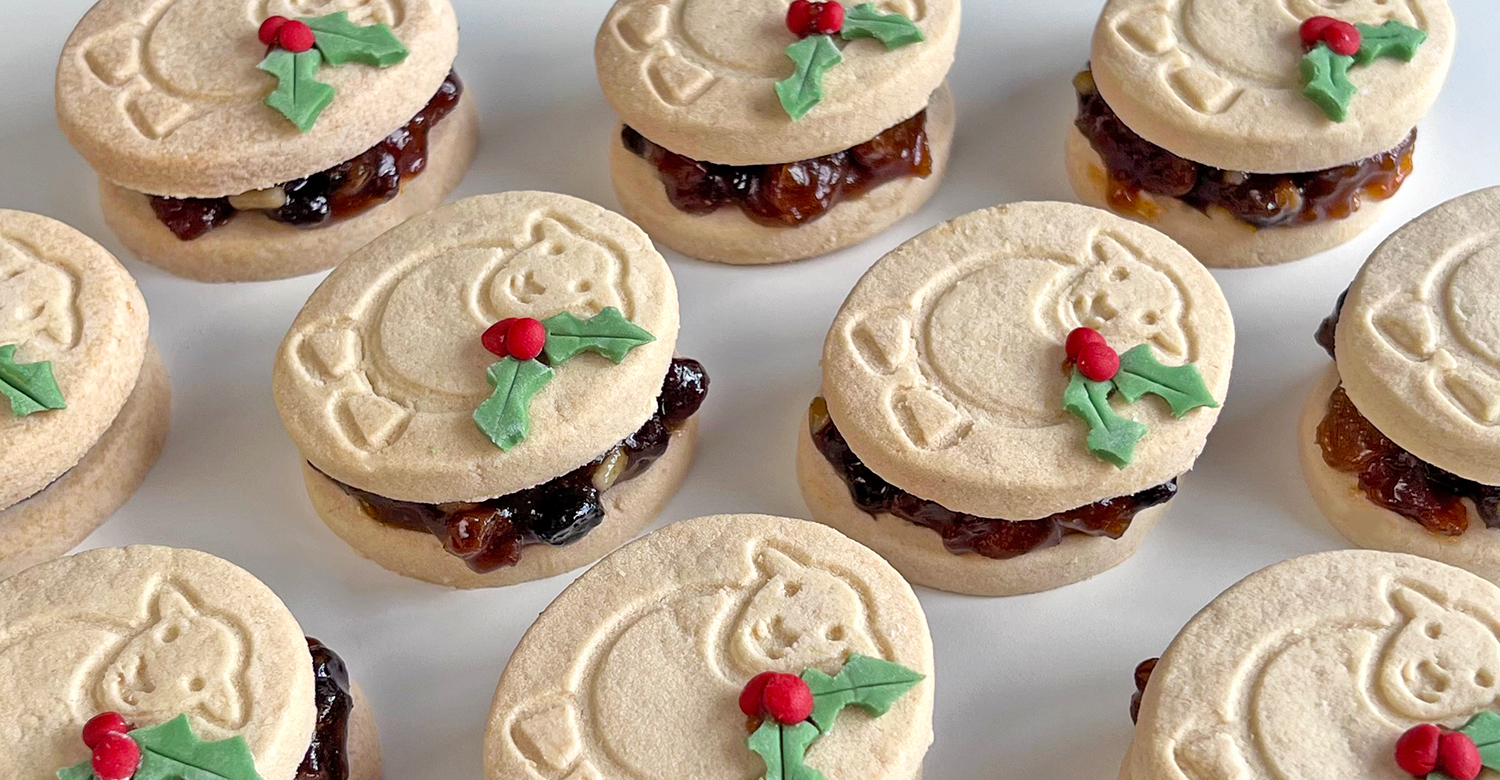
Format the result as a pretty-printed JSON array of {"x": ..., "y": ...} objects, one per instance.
[
  {"x": 1111, "y": 437},
  {"x": 608, "y": 333},
  {"x": 1180, "y": 386},
  {"x": 1484, "y": 729},
  {"x": 1325, "y": 81},
  {"x": 814, "y": 56},
  {"x": 30, "y": 387},
  {"x": 1392, "y": 39},
  {"x": 171, "y": 752},
  {"x": 869, "y": 683},
  {"x": 783, "y": 748},
  {"x": 299, "y": 96},
  {"x": 893, "y": 30},
  {"x": 505, "y": 416},
  {"x": 342, "y": 41}
]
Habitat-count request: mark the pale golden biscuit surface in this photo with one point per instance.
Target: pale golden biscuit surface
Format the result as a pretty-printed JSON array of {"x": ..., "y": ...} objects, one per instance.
[
  {"x": 66, "y": 300},
  {"x": 1315, "y": 666},
  {"x": 253, "y": 248},
  {"x": 150, "y": 633},
  {"x": 1217, "y": 238},
  {"x": 163, "y": 96},
  {"x": 675, "y": 624},
  {"x": 728, "y": 236},
  {"x": 698, "y": 77},
  {"x": 1218, "y": 81},
  {"x": 944, "y": 368},
  {"x": 1419, "y": 338},
  {"x": 378, "y": 379}
]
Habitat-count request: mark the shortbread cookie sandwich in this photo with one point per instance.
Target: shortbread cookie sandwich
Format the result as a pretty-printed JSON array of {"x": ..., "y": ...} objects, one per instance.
[
  {"x": 762, "y": 132},
  {"x": 1400, "y": 441},
  {"x": 488, "y": 394},
  {"x": 152, "y": 663},
  {"x": 240, "y": 142},
  {"x": 1352, "y": 663},
  {"x": 1256, "y": 133},
  {"x": 84, "y": 396},
  {"x": 722, "y": 648},
  {"x": 1010, "y": 398}
]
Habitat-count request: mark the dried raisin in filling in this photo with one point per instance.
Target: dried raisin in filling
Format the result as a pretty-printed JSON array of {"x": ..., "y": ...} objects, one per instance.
[
  {"x": 789, "y": 194},
  {"x": 490, "y": 535},
  {"x": 328, "y": 757},
  {"x": 345, "y": 190},
  {"x": 1143, "y": 672},
  {"x": 1391, "y": 477},
  {"x": 1134, "y": 165},
  {"x": 964, "y": 533}
]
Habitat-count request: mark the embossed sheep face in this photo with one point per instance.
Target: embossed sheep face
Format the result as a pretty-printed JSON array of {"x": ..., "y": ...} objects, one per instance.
[
  {"x": 1442, "y": 663},
  {"x": 798, "y": 618},
  {"x": 36, "y": 300},
  {"x": 1130, "y": 303}
]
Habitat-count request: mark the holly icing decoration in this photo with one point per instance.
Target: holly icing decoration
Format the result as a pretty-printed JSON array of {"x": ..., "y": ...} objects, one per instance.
[
  {"x": 30, "y": 387},
  {"x": 1335, "y": 46},
  {"x": 300, "y": 48},
  {"x": 169, "y": 751},
  {"x": 1433, "y": 752},
  {"x": 529, "y": 349},
  {"x": 796, "y": 711},
  {"x": 816, "y": 53},
  {"x": 1099, "y": 372}
]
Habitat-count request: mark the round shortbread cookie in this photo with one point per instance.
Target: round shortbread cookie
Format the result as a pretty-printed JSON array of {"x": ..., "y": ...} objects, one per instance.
[
  {"x": 1419, "y": 337},
  {"x": 918, "y": 553},
  {"x": 1217, "y": 238},
  {"x": 253, "y": 248},
  {"x": 629, "y": 507},
  {"x": 698, "y": 77},
  {"x": 675, "y": 624},
  {"x": 165, "y": 98},
  {"x": 1315, "y": 666},
  {"x": 64, "y": 300},
  {"x": 380, "y": 375},
  {"x": 1219, "y": 81},
  {"x": 151, "y": 633},
  {"x": 60, "y": 517},
  {"x": 944, "y": 368},
  {"x": 728, "y": 236}
]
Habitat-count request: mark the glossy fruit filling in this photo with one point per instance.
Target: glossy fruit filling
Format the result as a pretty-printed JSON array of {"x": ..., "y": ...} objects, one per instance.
[
  {"x": 1143, "y": 672},
  {"x": 328, "y": 754},
  {"x": 964, "y": 533},
  {"x": 1134, "y": 165}
]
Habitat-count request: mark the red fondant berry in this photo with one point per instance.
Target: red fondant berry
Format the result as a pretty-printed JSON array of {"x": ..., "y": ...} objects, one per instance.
[
  {"x": 805, "y": 18},
  {"x": 1458, "y": 756},
  {"x": 494, "y": 337},
  {"x": 295, "y": 37},
  {"x": 799, "y": 17},
  {"x": 1312, "y": 30},
  {"x": 525, "y": 338},
  {"x": 789, "y": 701},
  {"x": 1083, "y": 337},
  {"x": 269, "y": 29},
  {"x": 750, "y": 698},
  {"x": 1343, "y": 38},
  {"x": 101, "y": 725},
  {"x": 1417, "y": 749},
  {"x": 116, "y": 757},
  {"x": 1098, "y": 362},
  {"x": 830, "y": 18}
]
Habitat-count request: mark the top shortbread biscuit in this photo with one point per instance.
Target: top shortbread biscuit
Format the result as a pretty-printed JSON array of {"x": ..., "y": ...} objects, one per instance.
[
  {"x": 163, "y": 96},
  {"x": 381, "y": 373},
  {"x": 636, "y": 669},
  {"x": 944, "y": 368},
  {"x": 151, "y": 633},
  {"x": 1419, "y": 337},
  {"x": 67, "y": 301},
  {"x": 698, "y": 77},
  {"x": 1218, "y": 81},
  {"x": 1314, "y": 667}
]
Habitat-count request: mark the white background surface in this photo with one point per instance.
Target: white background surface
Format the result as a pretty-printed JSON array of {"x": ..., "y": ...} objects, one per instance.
[{"x": 1034, "y": 687}]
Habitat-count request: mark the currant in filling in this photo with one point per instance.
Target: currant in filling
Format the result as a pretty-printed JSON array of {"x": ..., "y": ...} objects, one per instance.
[
  {"x": 345, "y": 190},
  {"x": 789, "y": 194},
  {"x": 1143, "y": 672},
  {"x": 1390, "y": 476},
  {"x": 327, "y": 757},
  {"x": 964, "y": 533},
  {"x": 1134, "y": 165},
  {"x": 490, "y": 535}
]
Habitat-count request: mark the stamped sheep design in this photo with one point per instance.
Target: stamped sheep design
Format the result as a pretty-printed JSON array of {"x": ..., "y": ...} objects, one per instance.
[{"x": 38, "y": 301}]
